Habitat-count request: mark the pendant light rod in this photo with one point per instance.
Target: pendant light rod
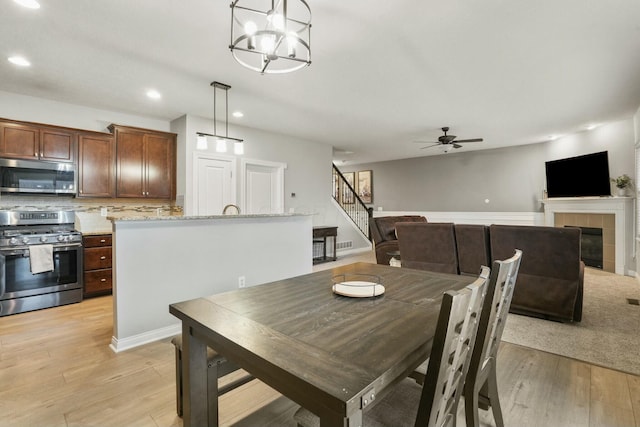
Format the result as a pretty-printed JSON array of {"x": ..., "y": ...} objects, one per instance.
[
  {"x": 225, "y": 87},
  {"x": 238, "y": 143}
]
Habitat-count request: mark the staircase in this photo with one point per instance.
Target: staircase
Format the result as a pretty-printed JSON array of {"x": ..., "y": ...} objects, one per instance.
[{"x": 345, "y": 195}]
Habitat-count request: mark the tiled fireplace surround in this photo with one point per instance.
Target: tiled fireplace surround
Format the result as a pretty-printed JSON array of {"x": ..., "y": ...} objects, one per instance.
[
  {"x": 613, "y": 214},
  {"x": 604, "y": 221}
]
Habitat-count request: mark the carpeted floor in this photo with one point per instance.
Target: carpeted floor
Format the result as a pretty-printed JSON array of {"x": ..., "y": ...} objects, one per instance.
[{"x": 609, "y": 334}]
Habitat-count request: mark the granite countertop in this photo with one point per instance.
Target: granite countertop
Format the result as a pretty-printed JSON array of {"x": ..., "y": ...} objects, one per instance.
[
  {"x": 96, "y": 232},
  {"x": 201, "y": 217}
]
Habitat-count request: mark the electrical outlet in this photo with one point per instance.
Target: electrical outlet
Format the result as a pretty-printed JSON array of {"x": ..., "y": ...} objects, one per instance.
[
  {"x": 103, "y": 211},
  {"x": 241, "y": 282}
]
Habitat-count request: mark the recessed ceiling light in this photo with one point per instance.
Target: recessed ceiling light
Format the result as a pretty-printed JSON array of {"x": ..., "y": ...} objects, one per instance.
[
  {"x": 553, "y": 137},
  {"x": 19, "y": 60},
  {"x": 238, "y": 114},
  {"x": 592, "y": 126},
  {"x": 31, "y": 4},
  {"x": 153, "y": 94}
]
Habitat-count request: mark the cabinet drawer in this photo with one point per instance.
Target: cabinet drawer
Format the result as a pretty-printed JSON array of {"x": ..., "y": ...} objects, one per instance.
[
  {"x": 97, "y": 281},
  {"x": 97, "y": 258},
  {"x": 96, "y": 241}
]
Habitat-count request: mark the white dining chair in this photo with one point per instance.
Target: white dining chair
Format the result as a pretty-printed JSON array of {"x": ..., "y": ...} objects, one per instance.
[{"x": 481, "y": 385}]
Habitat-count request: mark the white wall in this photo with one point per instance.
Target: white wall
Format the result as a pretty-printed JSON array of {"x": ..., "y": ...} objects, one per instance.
[
  {"x": 308, "y": 172},
  {"x": 39, "y": 110},
  {"x": 163, "y": 261},
  {"x": 511, "y": 179}
]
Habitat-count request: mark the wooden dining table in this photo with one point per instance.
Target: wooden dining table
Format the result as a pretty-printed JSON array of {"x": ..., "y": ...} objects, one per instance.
[{"x": 331, "y": 354}]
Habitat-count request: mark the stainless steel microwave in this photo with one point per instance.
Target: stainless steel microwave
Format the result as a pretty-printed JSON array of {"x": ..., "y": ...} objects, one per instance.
[{"x": 29, "y": 177}]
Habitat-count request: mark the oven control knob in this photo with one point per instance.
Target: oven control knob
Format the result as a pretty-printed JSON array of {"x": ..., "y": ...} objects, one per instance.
[
  {"x": 61, "y": 238},
  {"x": 13, "y": 241},
  {"x": 25, "y": 240},
  {"x": 43, "y": 239}
]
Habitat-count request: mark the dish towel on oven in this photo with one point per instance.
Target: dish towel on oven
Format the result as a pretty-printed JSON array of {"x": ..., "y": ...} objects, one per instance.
[{"x": 41, "y": 257}]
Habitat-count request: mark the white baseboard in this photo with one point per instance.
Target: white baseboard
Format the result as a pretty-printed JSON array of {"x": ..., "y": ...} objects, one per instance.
[
  {"x": 485, "y": 218},
  {"x": 118, "y": 345},
  {"x": 346, "y": 252}
]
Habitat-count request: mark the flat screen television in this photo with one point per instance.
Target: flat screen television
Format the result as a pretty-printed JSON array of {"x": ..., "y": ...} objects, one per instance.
[{"x": 580, "y": 176}]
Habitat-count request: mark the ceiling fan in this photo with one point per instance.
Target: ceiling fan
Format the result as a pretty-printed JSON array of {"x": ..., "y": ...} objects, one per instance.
[{"x": 448, "y": 141}]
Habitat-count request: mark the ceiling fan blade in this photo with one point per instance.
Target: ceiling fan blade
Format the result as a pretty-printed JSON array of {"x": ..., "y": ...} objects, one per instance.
[
  {"x": 429, "y": 146},
  {"x": 424, "y": 142},
  {"x": 469, "y": 140},
  {"x": 456, "y": 145}
]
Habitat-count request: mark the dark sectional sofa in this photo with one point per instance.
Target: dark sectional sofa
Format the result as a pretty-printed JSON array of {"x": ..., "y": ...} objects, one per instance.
[
  {"x": 383, "y": 234},
  {"x": 551, "y": 276}
]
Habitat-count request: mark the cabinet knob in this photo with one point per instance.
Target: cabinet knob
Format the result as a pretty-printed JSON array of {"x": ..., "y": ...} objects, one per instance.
[
  {"x": 103, "y": 257},
  {"x": 102, "y": 240},
  {"x": 103, "y": 280}
]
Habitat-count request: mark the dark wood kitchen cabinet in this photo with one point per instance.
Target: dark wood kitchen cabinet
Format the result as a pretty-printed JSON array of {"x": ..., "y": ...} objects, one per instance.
[
  {"x": 97, "y": 265},
  {"x": 21, "y": 140},
  {"x": 145, "y": 163},
  {"x": 96, "y": 165}
]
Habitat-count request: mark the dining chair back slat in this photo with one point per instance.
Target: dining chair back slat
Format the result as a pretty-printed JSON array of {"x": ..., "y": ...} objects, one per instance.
[
  {"x": 450, "y": 355},
  {"x": 481, "y": 383}
]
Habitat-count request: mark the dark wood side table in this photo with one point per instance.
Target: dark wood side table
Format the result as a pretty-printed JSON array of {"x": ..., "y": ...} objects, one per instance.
[{"x": 320, "y": 235}]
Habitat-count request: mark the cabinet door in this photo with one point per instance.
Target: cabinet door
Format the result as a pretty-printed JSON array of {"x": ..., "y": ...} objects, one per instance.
[
  {"x": 19, "y": 141},
  {"x": 96, "y": 166},
  {"x": 130, "y": 163},
  {"x": 57, "y": 145},
  {"x": 159, "y": 156}
]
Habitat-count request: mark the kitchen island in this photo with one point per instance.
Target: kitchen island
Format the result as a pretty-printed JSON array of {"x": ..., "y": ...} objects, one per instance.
[{"x": 161, "y": 260}]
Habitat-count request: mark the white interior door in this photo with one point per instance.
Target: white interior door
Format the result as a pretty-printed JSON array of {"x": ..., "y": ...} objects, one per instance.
[
  {"x": 263, "y": 186},
  {"x": 214, "y": 184}
]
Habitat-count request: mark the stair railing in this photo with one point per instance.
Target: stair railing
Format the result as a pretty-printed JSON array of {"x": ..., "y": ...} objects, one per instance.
[{"x": 347, "y": 197}]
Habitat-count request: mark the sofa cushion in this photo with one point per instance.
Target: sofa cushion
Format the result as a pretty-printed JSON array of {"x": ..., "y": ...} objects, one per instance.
[
  {"x": 387, "y": 224},
  {"x": 472, "y": 242},
  {"x": 430, "y": 246},
  {"x": 547, "y": 251},
  {"x": 544, "y": 296},
  {"x": 549, "y": 281}
]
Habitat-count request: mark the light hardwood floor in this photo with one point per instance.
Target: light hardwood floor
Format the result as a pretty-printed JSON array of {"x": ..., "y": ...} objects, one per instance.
[{"x": 56, "y": 369}]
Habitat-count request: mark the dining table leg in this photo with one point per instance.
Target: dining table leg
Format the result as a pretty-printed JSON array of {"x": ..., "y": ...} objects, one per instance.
[
  {"x": 354, "y": 420},
  {"x": 194, "y": 377}
]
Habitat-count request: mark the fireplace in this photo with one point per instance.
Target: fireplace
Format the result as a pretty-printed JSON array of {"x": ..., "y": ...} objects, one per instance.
[
  {"x": 613, "y": 214},
  {"x": 591, "y": 246}
]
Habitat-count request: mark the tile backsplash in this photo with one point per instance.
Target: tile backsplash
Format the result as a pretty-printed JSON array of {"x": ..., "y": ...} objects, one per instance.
[{"x": 115, "y": 207}]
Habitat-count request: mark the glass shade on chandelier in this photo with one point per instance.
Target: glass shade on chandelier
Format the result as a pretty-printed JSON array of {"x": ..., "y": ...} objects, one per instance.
[
  {"x": 201, "y": 142},
  {"x": 271, "y": 36}
]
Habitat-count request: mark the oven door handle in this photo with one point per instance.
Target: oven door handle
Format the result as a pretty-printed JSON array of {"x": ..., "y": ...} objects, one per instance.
[{"x": 24, "y": 250}]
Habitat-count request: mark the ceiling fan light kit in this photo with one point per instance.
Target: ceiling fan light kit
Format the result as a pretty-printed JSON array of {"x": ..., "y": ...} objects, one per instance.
[
  {"x": 447, "y": 142},
  {"x": 271, "y": 36}
]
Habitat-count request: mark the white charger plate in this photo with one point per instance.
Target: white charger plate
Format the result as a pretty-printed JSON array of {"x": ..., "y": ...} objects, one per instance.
[{"x": 358, "y": 289}]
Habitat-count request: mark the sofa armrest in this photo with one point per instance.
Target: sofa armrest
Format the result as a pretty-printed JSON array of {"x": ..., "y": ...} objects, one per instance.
[{"x": 383, "y": 249}]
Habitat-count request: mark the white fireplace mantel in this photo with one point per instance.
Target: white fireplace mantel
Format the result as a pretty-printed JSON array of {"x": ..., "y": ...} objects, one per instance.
[{"x": 621, "y": 207}]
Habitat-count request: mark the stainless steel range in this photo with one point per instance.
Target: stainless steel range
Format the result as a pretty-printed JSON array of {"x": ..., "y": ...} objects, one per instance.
[{"x": 20, "y": 289}]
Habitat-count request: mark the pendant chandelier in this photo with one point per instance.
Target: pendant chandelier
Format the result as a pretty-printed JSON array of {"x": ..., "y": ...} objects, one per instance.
[
  {"x": 272, "y": 39},
  {"x": 221, "y": 141}
]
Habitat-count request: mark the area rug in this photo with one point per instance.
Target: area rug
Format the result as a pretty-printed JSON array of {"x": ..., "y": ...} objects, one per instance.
[{"x": 608, "y": 335}]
